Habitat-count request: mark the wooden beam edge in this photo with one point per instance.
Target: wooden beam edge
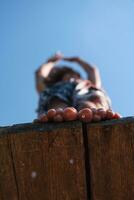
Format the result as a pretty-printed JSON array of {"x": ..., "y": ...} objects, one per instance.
[{"x": 51, "y": 125}]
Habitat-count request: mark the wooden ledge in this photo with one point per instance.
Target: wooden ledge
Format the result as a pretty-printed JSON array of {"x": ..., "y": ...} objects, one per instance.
[
  {"x": 68, "y": 160},
  {"x": 51, "y": 125}
]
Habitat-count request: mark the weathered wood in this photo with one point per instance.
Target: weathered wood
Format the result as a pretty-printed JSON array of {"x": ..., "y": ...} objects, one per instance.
[
  {"x": 8, "y": 184},
  {"x": 111, "y": 155},
  {"x": 70, "y": 161},
  {"x": 49, "y": 161}
]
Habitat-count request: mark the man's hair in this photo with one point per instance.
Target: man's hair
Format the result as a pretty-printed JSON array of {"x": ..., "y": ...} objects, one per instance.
[{"x": 58, "y": 75}]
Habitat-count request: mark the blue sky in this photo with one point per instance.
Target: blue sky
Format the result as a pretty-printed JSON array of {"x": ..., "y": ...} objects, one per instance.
[{"x": 102, "y": 32}]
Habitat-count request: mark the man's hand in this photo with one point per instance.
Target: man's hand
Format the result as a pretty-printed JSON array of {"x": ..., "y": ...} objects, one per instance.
[
  {"x": 72, "y": 59},
  {"x": 78, "y": 60},
  {"x": 57, "y": 57}
]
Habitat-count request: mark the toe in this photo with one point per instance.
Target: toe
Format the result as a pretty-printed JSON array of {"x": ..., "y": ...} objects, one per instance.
[
  {"x": 70, "y": 114},
  {"x": 59, "y": 115},
  {"x": 102, "y": 113},
  {"x": 97, "y": 114},
  {"x": 117, "y": 116},
  {"x": 109, "y": 114},
  {"x": 85, "y": 115},
  {"x": 50, "y": 114},
  {"x": 58, "y": 118},
  {"x": 59, "y": 111},
  {"x": 43, "y": 118}
]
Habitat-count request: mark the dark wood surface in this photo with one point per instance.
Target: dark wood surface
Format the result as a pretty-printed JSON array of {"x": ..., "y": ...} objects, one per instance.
[
  {"x": 111, "y": 154},
  {"x": 68, "y": 161},
  {"x": 48, "y": 160},
  {"x": 8, "y": 187}
]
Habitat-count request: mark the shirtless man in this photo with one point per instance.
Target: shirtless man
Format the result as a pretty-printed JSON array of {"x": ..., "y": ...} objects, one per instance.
[{"x": 66, "y": 96}]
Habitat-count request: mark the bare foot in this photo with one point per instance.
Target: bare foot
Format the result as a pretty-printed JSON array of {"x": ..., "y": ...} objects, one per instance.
[
  {"x": 96, "y": 115},
  {"x": 107, "y": 114},
  {"x": 59, "y": 115},
  {"x": 84, "y": 115},
  {"x": 67, "y": 114},
  {"x": 91, "y": 114}
]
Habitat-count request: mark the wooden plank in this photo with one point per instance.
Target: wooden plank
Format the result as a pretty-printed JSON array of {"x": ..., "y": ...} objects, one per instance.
[
  {"x": 8, "y": 186},
  {"x": 111, "y": 155},
  {"x": 49, "y": 162}
]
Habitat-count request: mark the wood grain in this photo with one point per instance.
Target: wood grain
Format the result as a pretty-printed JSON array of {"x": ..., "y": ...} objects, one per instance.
[
  {"x": 49, "y": 162},
  {"x": 111, "y": 152},
  {"x": 68, "y": 161},
  {"x": 8, "y": 184}
]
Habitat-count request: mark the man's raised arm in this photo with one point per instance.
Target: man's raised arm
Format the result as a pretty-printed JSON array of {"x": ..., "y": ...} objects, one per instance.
[{"x": 92, "y": 72}]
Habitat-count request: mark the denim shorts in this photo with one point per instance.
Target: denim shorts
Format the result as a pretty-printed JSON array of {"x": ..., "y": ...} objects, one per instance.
[{"x": 62, "y": 90}]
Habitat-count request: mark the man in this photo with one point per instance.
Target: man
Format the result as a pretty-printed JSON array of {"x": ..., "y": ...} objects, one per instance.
[{"x": 66, "y": 96}]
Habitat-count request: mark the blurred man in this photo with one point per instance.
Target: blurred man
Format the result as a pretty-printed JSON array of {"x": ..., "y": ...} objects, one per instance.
[{"x": 65, "y": 96}]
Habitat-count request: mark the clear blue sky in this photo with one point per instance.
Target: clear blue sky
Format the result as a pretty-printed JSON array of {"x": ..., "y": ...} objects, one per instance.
[{"x": 102, "y": 32}]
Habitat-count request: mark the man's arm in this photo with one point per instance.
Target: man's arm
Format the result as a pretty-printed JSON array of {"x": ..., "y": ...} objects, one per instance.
[
  {"x": 92, "y": 72},
  {"x": 44, "y": 70}
]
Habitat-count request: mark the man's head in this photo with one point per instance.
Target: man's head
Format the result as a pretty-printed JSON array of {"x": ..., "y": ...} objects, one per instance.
[
  {"x": 62, "y": 74},
  {"x": 68, "y": 73}
]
